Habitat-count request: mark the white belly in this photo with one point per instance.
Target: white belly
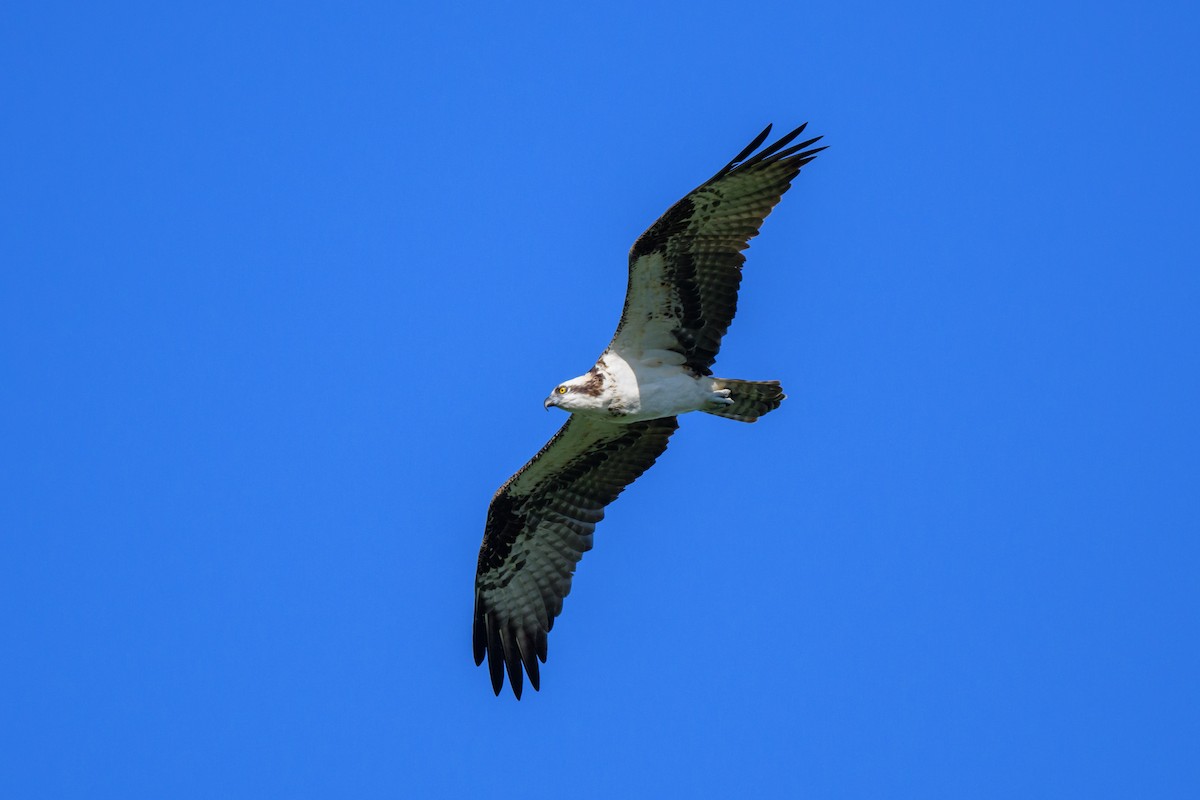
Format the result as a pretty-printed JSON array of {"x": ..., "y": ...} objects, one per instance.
[{"x": 651, "y": 389}]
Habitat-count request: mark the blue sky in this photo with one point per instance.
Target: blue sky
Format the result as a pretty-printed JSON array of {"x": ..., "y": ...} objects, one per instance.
[{"x": 284, "y": 286}]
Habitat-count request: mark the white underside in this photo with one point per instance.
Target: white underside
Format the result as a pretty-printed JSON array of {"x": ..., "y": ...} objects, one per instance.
[{"x": 651, "y": 387}]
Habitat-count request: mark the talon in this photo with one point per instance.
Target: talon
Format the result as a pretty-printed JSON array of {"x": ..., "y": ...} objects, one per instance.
[{"x": 720, "y": 398}]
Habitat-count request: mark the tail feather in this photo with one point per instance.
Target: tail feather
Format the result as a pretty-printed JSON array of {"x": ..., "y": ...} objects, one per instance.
[{"x": 751, "y": 399}]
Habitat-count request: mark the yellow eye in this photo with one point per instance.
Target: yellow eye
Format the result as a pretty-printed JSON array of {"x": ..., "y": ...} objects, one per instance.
[{"x": 561, "y": 390}]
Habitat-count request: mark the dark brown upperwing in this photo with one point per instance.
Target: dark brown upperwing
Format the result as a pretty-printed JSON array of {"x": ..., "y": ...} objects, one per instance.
[
  {"x": 700, "y": 240},
  {"x": 539, "y": 525}
]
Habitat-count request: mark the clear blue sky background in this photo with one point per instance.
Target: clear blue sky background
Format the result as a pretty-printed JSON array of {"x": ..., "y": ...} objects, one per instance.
[{"x": 284, "y": 287}]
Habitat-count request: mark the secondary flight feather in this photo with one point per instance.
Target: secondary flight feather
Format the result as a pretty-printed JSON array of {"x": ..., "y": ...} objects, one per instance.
[{"x": 684, "y": 274}]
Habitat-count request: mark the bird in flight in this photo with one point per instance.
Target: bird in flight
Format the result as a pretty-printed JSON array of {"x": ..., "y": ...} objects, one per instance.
[{"x": 684, "y": 273}]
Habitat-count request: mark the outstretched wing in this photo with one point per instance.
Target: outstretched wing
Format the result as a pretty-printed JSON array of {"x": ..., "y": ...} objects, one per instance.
[
  {"x": 539, "y": 525},
  {"x": 684, "y": 271}
]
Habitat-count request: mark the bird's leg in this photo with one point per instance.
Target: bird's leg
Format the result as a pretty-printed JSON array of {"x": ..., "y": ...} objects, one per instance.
[{"x": 719, "y": 398}]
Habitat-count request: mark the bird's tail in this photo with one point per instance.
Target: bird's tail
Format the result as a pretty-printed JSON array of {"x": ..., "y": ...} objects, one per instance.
[{"x": 751, "y": 399}]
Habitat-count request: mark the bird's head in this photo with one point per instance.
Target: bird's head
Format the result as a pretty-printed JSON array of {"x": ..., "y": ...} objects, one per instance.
[{"x": 584, "y": 393}]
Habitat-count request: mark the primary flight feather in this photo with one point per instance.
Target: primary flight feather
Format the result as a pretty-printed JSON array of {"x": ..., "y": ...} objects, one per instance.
[{"x": 684, "y": 273}]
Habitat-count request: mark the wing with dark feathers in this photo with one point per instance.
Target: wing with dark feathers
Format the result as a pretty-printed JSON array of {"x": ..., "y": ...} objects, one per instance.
[
  {"x": 684, "y": 271},
  {"x": 539, "y": 525}
]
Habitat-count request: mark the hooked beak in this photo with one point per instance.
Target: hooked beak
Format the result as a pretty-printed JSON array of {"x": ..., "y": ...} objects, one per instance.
[{"x": 550, "y": 401}]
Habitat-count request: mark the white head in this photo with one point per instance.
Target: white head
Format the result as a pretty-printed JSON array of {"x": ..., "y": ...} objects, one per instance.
[{"x": 585, "y": 393}]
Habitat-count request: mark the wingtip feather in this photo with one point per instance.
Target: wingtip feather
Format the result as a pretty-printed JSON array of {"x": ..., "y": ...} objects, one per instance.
[
  {"x": 495, "y": 655},
  {"x": 748, "y": 149},
  {"x": 512, "y": 661},
  {"x": 780, "y": 144},
  {"x": 479, "y": 631},
  {"x": 774, "y": 153},
  {"x": 528, "y": 658}
]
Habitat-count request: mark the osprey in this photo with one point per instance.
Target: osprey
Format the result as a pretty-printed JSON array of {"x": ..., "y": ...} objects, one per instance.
[{"x": 684, "y": 273}]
